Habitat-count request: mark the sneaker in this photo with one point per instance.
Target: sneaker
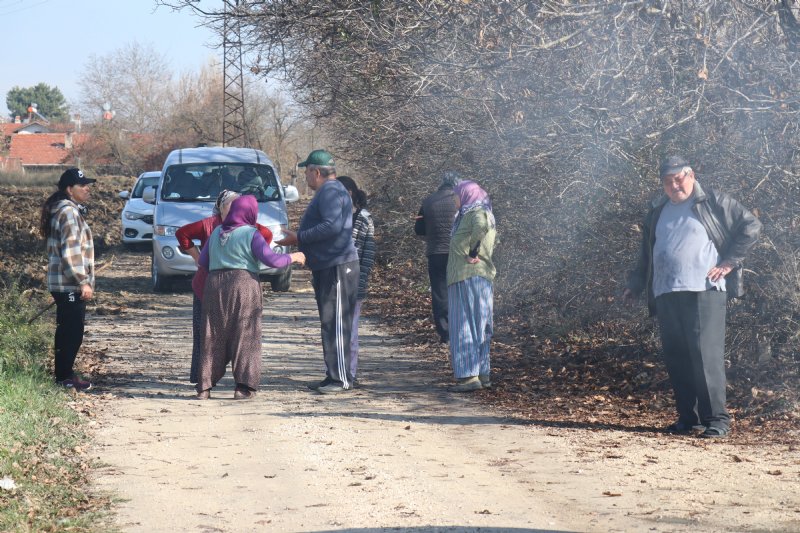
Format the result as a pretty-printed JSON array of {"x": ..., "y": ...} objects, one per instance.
[
  {"x": 486, "y": 381},
  {"x": 75, "y": 382},
  {"x": 314, "y": 385},
  {"x": 333, "y": 387},
  {"x": 467, "y": 385}
]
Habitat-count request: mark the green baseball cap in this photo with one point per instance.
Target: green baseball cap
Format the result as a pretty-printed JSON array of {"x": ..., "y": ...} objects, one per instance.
[{"x": 320, "y": 158}]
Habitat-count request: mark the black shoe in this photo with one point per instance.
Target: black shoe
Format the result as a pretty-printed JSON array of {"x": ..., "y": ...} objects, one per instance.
[
  {"x": 683, "y": 427},
  {"x": 715, "y": 432},
  {"x": 317, "y": 384}
]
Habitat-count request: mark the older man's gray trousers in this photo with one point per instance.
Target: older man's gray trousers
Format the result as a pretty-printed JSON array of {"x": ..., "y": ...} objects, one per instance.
[{"x": 693, "y": 339}]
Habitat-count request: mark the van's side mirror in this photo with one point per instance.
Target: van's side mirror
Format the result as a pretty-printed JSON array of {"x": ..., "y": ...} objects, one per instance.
[
  {"x": 124, "y": 194},
  {"x": 149, "y": 195},
  {"x": 290, "y": 193}
]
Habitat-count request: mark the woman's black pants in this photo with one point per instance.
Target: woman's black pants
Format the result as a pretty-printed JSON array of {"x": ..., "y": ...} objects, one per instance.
[{"x": 70, "y": 318}]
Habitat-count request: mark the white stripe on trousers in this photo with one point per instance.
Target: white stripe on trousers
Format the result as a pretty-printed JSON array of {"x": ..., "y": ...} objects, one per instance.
[{"x": 340, "y": 332}]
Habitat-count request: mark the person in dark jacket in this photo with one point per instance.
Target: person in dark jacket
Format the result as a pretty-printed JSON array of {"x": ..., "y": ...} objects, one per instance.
[
  {"x": 690, "y": 262},
  {"x": 434, "y": 222},
  {"x": 325, "y": 236}
]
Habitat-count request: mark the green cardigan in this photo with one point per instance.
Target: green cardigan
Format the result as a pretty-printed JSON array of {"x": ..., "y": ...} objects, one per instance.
[{"x": 474, "y": 227}]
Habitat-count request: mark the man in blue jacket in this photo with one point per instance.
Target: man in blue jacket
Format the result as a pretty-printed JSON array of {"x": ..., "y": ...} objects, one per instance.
[
  {"x": 690, "y": 261},
  {"x": 325, "y": 236}
]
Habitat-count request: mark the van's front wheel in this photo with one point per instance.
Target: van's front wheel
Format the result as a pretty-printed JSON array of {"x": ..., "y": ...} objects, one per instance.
[
  {"x": 160, "y": 283},
  {"x": 282, "y": 282}
]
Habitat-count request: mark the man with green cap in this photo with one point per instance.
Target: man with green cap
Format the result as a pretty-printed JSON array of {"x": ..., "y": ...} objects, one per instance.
[{"x": 325, "y": 236}]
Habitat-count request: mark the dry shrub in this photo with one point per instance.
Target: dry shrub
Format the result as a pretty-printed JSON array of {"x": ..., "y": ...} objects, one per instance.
[{"x": 562, "y": 110}]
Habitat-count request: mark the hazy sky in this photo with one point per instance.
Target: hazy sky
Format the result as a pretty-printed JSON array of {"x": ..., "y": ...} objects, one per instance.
[{"x": 50, "y": 41}]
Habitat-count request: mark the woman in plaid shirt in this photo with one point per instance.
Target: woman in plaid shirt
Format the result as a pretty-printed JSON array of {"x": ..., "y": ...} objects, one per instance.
[
  {"x": 364, "y": 239},
  {"x": 70, "y": 271}
]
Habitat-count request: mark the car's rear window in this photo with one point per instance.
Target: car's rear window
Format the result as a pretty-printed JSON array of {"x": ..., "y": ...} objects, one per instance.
[
  {"x": 142, "y": 184},
  {"x": 203, "y": 182}
]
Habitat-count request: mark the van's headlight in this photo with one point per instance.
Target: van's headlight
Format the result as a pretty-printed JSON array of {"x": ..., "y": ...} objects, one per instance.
[
  {"x": 130, "y": 215},
  {"x": 165, "y": 231}
]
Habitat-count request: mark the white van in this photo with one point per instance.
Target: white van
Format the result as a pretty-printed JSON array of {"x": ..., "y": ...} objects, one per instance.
[{"x": 191, "y": 180}]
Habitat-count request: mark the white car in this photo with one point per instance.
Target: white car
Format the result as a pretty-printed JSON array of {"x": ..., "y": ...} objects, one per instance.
[{"x": 137, "y": 215}]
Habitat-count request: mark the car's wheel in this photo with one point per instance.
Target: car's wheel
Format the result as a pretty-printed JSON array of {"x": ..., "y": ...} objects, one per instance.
[
  {"x": 160, "y": 283},
  {"x": 282, "y": 282}
]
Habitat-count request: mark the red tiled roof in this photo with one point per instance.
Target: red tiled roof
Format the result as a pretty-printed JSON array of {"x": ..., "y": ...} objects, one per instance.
[
  {"x": 40, "y": 149},
  {"x": 8, "y": 128}
]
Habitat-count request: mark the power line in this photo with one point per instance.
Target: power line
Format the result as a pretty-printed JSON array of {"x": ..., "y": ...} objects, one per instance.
[{"x": 22, "y": 8}]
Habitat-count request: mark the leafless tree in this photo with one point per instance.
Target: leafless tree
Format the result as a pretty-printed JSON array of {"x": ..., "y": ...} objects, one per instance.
[
  {"x": 195, "y": 112},
  {"x": 133, "y": 80}
]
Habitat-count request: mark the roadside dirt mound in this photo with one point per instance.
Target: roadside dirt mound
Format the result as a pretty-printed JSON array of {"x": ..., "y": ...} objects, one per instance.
[{"x": 23, "y": 259}]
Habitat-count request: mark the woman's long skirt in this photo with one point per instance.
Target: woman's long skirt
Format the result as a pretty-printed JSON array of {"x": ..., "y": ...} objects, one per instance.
[
  {"x": 197, "y": 337},
  {"x": 231, "y": 319},
  {"x": 470, "y": 308}
]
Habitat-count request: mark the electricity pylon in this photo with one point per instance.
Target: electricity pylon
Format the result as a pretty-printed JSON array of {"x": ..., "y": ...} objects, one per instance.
[{"x": 233, "y": 130}]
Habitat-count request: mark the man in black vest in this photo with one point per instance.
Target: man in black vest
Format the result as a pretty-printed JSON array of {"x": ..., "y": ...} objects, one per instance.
[{"x": 434, "y": 222}]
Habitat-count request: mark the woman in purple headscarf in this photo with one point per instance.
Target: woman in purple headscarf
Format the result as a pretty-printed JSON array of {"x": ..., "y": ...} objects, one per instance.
[
  {"x": 470, "y": 273},
  {"x": 231, "y": 314},
  {"x": 200, "y": 231}
]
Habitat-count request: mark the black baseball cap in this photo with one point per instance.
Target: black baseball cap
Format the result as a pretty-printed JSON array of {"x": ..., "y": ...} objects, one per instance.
[
  {"x": 73, "y": 176},
  {"x": 672, "y": 165}
]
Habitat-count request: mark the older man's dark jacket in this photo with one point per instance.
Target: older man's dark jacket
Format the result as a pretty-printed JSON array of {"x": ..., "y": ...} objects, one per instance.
[{"x": 731, "y": 227}]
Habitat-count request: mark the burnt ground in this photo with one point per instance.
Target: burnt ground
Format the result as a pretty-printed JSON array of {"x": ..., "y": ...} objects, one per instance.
[{"x": 609, "y": 376}]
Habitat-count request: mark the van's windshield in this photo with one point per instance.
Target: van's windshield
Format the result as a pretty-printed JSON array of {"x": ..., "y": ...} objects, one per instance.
[{"x": 202, "y": 182}]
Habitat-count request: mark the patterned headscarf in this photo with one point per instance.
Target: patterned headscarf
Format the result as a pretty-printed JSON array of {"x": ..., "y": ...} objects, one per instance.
[
  {"x": 244, "y": 212},
  {"x": 472, "y": 197},
  {"x": 224, "y": 197}
]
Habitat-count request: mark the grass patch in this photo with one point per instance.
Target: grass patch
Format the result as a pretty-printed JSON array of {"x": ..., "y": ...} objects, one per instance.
[{"x": 41, "y": 436}]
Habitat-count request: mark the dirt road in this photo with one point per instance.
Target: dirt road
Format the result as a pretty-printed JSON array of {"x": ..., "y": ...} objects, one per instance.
[{"x": 398, "y": 453}]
